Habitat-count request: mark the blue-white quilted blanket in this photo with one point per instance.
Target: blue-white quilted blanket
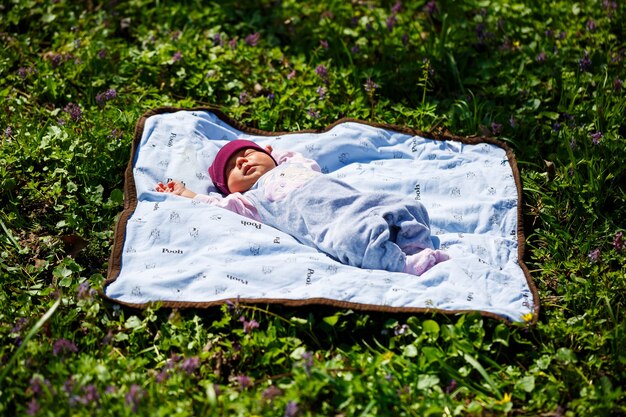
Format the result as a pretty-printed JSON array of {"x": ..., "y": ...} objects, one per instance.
[{"x": 190, "y": 254}]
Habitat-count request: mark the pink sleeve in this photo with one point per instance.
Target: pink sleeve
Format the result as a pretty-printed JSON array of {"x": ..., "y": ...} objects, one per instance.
[
  {"x": 235, "y": 202},
  {"x": 291, "y": 156}
]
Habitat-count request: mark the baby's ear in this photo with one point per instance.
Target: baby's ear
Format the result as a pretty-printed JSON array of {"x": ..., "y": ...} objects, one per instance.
[{"x": 269, "y": 149}]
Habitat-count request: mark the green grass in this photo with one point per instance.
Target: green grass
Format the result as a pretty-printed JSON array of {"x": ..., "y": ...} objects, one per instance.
[{"x": 543, "y": 76}]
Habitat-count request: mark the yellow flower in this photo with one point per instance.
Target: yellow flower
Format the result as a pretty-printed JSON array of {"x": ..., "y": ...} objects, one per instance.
[
  {"x": 516, "y": 44},
  {"x": 528, "y": 317},
  {"x": 387, "y": 356},
  {"x": 505, "y": 399}
]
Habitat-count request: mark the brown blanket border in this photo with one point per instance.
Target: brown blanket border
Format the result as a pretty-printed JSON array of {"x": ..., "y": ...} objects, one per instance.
[{"x": 130, "y": 203}]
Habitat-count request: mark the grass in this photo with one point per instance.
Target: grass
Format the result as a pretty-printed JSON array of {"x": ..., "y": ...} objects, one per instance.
[{"x": 545, "y": 77}]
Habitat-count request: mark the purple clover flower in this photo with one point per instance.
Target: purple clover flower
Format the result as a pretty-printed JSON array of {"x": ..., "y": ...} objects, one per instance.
[
  {"x": 610, "y": 7},
  {"x": 595, "y": 137},
  {"x": 19, "y": 325},
  {"x": 585, "y": 62},
  {"x": 566, "y": 117},
  {"x": 232, "y": 307},
  {"x": 617, "y": 85},
  {"x": 324, "y": 44},
  {"x": 541, "y": 57},
  {"x": 431, "y": 7},
  {"x": 85, "y": 292},
  {"x": 74, "y": 111},
  {"x": 248, "y": 326},
  {"x": 321, "y": 71},
  {"x": 391, "y": 22},
  {"x": 355, "y": 49},
  {"x": 591, "y": 25},
  {"x": 68, "y": 385},
  {"x": 244, "y": 98},
  {"x": 23, "y": 72},
  {"x": 8, "y": 132},
  {"x": 232, "y": 43},
  {"x": 102, "y": 53},
  {"x": 291, "y": 409},
  {"x": 451, "y": 386},
  {"x": 370, "y": 86},
  {"x": 173, "y": 360},
  {"x": 33, "y": 407},
  {"x": 405, "y": 39},
  {"x": 271, "y": 392},
  {"x": 63, "y": 346},
  {"x": 55, "y": 60},
  {"x": 90, "y": 395},
  {"x": 618, "y": 241},
  {"x": 108, "y": 338},
  {"x": 291, "y": 74},
  {"x": 594, "y": 255},
  {"x": 253, "y": 39},
  {"x": 162, "y": 376},
  {"x": 103, "y": 97},
  {"x": 496, "y": 128},
  {"x": 243, "y": 381},
  {"x": 35, "y": 386},
  {"x": 116, "y": 134},
  {"x": 190, "y": 365},
  {"x": 134, "y": 396},
  {"x": 308, "y": 361},
  {"x": 321, "y": 92},
  {"x": 177, "y": 56},
  {"x": 562, "y": 35},
  {"x": 217, "y": 39},
  {"x": 313, "y": 113}
]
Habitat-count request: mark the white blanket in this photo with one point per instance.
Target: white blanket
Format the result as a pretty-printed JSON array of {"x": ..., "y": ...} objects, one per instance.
[{"x": 189, "y": 254}]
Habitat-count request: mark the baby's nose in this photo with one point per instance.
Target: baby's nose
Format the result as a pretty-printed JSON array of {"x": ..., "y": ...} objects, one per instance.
[{"x": 241, "y": 160}]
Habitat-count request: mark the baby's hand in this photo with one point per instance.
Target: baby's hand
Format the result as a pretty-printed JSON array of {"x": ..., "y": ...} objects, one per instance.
[{"x": 174, "y": 187}]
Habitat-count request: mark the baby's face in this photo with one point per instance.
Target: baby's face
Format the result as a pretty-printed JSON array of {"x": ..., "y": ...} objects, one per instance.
[{"x": 245, "y": 168}]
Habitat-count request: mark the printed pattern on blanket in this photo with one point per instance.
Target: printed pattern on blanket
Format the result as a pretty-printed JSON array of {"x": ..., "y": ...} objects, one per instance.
[{"x": 190, "y": 254}]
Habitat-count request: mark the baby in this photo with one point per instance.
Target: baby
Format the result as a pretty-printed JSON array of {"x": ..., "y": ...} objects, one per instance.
[{"x": 287, "y": 191}]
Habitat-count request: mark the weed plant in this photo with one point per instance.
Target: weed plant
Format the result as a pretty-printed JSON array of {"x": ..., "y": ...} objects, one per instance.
[{"x": 544, "y": 76}]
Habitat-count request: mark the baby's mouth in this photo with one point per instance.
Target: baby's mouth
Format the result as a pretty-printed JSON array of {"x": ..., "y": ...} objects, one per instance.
[{"x": 249, "y": 169}]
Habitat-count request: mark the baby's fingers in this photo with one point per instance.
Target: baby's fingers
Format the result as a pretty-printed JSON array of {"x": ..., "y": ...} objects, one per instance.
[{"x": 159, "y": 187}]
